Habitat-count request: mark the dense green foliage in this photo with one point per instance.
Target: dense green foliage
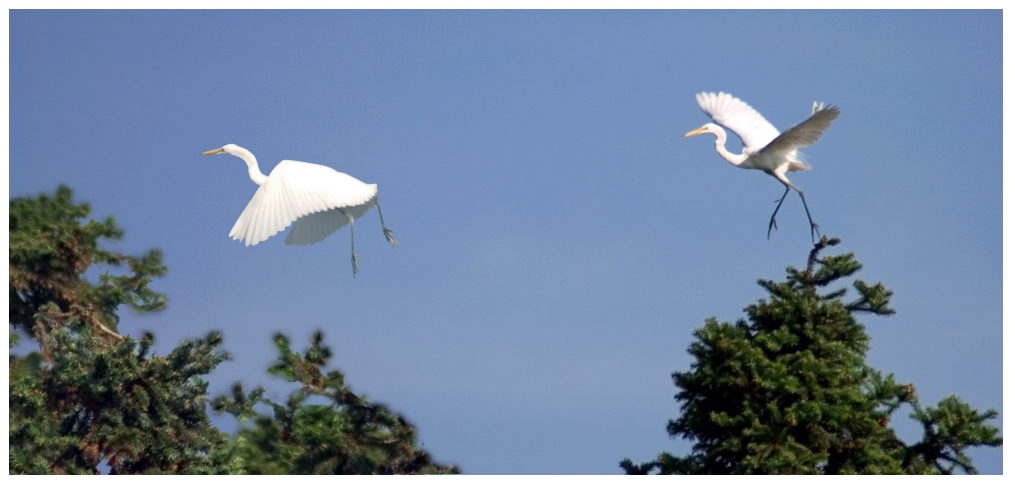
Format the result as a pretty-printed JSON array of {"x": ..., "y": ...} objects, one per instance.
[
  {"x": 89, "y": 399},
  {"x": 788, "y": 391},
  {"x": 96, "y": 401},
  {"x": 50, "y": 249},
  {"x": 348, "y": 435}
]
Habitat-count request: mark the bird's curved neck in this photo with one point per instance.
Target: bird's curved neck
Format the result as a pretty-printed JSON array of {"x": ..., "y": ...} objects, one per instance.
[
  {"x": 720, "y": 147},
  {"x": 252, "y": 168}
]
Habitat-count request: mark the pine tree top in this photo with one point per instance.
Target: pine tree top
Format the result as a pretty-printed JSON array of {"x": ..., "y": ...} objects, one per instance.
[{"x": 788, "y": 390}]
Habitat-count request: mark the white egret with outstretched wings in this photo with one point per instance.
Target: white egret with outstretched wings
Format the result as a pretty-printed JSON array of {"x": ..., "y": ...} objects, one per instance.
[
  {"x": 318, "y": 199},
  {"x": 765, "y": 148}
]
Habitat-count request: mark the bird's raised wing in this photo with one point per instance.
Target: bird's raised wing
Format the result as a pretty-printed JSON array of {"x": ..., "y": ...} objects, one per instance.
[
  {"x": 737, "y": 116},
  {"x": 293, "y": 190},
  {"x": 805, "y": 133}
]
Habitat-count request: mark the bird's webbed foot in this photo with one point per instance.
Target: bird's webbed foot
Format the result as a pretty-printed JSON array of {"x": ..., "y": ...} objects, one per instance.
[
  {"x": 772, "y": 225},
  {"x": 390, "y": 236}
]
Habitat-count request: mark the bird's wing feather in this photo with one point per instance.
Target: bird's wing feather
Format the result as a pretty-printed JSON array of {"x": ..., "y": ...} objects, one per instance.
[
  {"x": 805, "y": 133},
  {"x": 293, "y": 190},
  {"x": 737, "y": 116},
  {"x": 314, "y": 228}
]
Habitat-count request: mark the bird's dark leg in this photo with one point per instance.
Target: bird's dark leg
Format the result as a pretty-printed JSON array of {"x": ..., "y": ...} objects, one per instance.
[
  {"x": 814, "y": 227},
  {"x": 388, "y": 233},
  {"x": 771, "y": 223},
  {"x": 352, "y": 242}
]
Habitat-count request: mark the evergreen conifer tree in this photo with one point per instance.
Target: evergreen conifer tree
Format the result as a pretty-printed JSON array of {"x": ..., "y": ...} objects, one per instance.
[
  {"x": 89, "y": 395},
  {"x": 788, "y": 390},
  {"x": 90, "y": 400}
]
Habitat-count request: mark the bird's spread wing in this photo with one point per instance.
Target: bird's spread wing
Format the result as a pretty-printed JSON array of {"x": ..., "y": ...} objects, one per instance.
[
  {"x": 737, "y": 116},
  {"x": 296, "y": 189},
  {"x": 805, "y": 133}
]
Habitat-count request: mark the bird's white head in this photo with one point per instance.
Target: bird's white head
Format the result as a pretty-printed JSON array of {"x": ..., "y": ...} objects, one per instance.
[
  {"x": 230, "y": 149},
  {"x": 707, "y": 128}
]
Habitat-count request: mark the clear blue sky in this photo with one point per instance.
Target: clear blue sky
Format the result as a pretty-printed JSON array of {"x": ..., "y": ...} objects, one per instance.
[{"x": 560, "y": 239}]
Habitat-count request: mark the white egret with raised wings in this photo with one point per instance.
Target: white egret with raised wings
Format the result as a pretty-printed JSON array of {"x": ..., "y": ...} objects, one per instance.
[
  {"x": 765, "y": 148},
  {"x": 319, "y": 199}
]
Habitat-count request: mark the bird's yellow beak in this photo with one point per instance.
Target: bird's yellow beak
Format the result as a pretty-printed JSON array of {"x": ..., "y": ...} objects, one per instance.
[
  {"x": 213, "y": 152},
  {"x": 696, "y": 131}
]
